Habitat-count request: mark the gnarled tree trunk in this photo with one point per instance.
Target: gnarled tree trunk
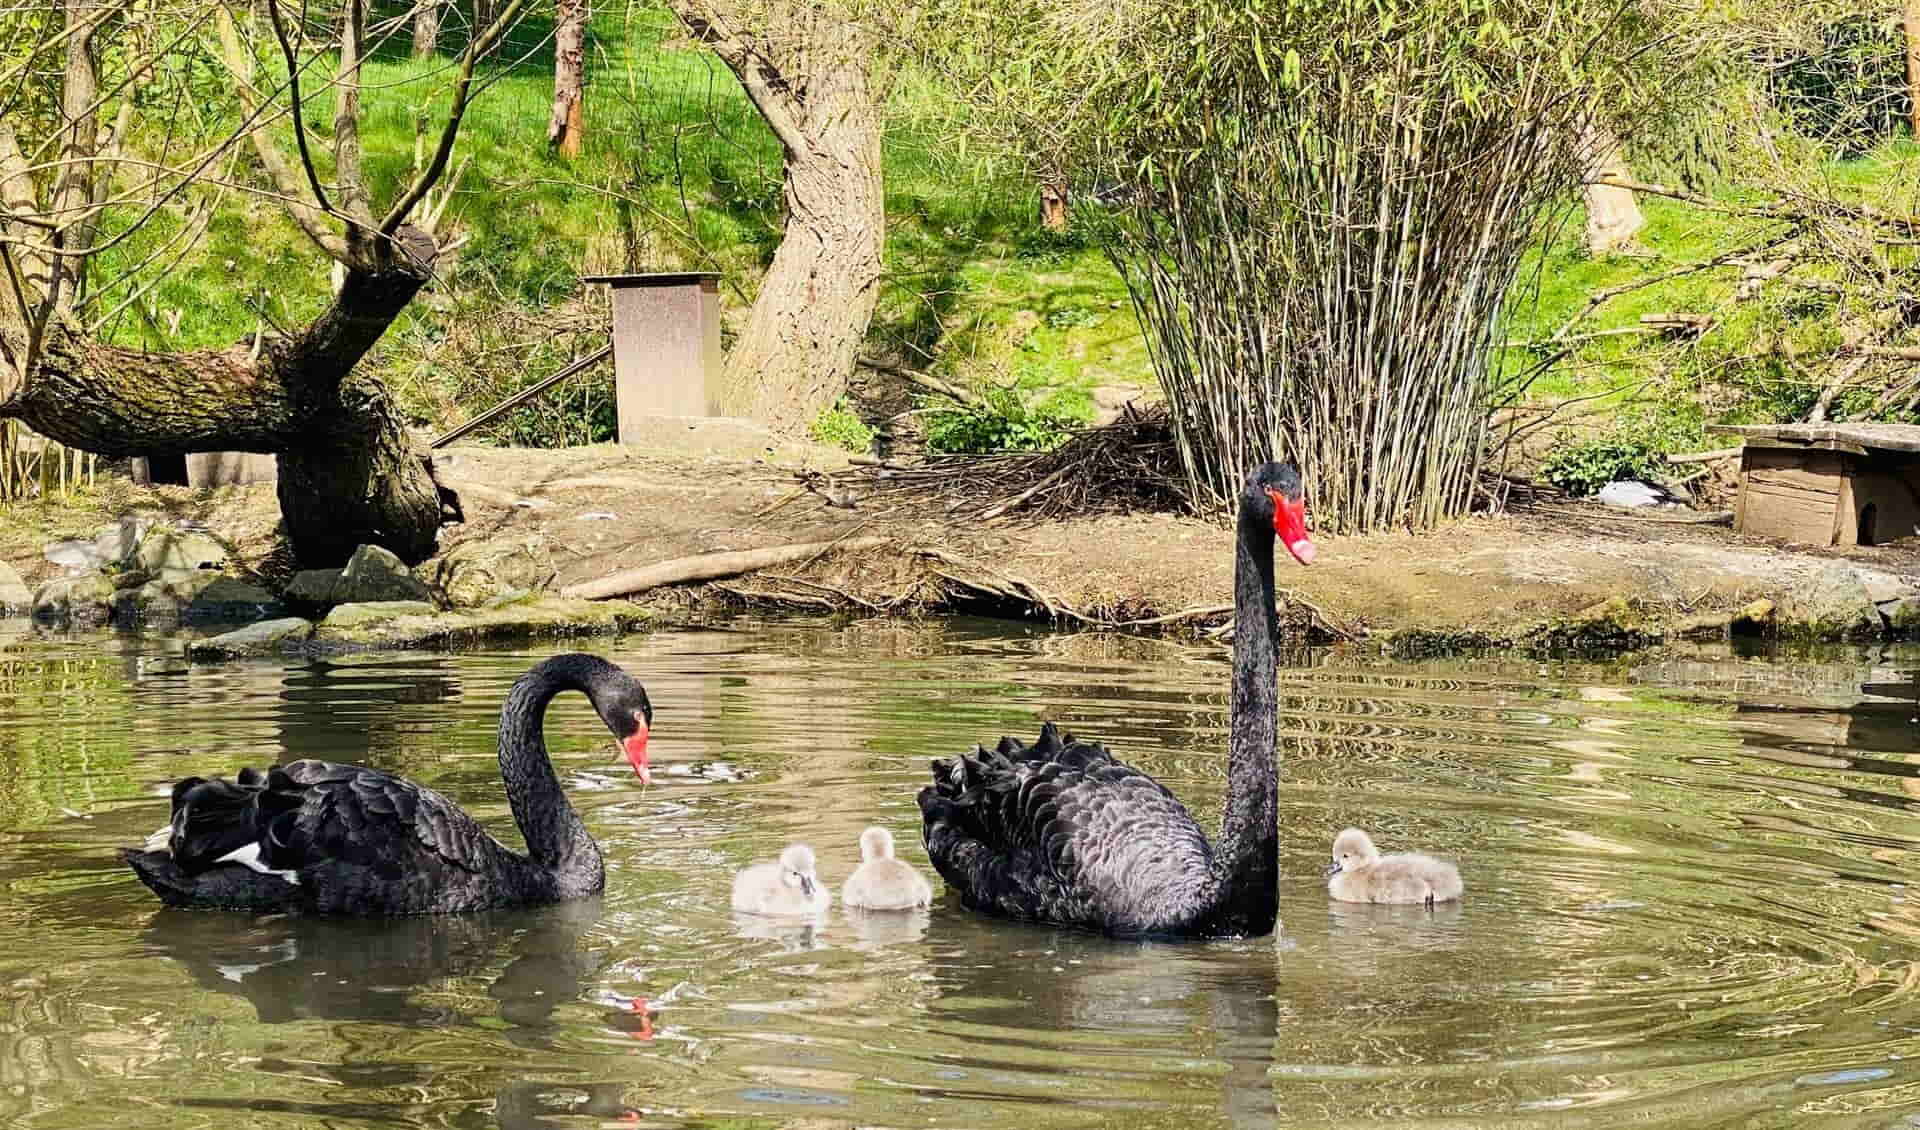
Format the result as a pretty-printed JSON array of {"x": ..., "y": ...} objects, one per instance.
[
  {"x": 811, "y": 76},
  {"x": 348, "y": 471}
]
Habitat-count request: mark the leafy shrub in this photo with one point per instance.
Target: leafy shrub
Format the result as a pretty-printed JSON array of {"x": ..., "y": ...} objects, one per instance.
[
  {"x": 1584, "y": 466},
  {"x": 1006, "y": 422},
  {"x": 837, "y": 427},
  {"x": 1072, "y": 317}
]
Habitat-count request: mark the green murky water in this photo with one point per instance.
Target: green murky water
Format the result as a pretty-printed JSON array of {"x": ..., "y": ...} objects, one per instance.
[{"x": 1687, "y": 900}]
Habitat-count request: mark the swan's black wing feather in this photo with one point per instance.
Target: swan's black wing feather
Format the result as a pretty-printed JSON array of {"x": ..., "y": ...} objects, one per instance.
[
  {"x": 352, "y": 814},
  {"x": 1062, "y": 831}
]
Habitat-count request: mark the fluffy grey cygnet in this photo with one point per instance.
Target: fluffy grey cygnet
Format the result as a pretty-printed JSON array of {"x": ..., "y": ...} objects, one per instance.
[
  {"x": 1359, "y": 873},
  {"x": 882, "y": 882},
  {"x": 786, "y": 887}
]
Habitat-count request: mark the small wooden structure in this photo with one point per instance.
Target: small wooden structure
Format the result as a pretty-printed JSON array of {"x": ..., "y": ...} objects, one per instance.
[
  {"x": 1829, "y": 484},
  {"x": 205, "y": 469},
  {"x": 666, "y": 346}
]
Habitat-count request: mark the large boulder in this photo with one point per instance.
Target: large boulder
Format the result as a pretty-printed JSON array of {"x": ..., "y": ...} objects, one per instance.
[
  {"x": 168, "y": 553},
  {"x": 85, "y": 600},
  {"x": 477, "y": 573},
  {"x": 263, "y": 638},
  {"x": 374, "y": 574},
  {"x": 313, "y": 588},
  {"x": 1836, "y": 604},
  {"x": 16, "y": 598}
]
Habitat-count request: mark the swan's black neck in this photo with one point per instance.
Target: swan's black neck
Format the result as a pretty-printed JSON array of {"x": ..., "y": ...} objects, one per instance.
[
  {"x": 557, "y": 839},
  {"x": 1246, "y": 859}
]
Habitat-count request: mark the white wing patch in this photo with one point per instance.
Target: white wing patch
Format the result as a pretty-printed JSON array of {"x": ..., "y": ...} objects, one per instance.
[
  {"x": 161, "y": 841},
  {"x": 249, "y": 856}
]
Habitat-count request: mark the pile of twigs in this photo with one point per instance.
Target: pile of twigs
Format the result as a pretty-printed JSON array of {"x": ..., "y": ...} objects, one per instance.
[{"x": 1129, "y": 465}]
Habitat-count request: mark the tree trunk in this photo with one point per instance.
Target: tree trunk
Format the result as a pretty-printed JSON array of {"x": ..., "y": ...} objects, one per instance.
[
  {"x": 426, "y": 28},
  {"x": 1912, "y": 22},
  {"x": 1613, "y": 215},
  {"x": 348, "y": 473},
  {"x": 569, "y": 76},
  {"x": 816, "y": 300},
  {"x": 1053, "y": 205}
]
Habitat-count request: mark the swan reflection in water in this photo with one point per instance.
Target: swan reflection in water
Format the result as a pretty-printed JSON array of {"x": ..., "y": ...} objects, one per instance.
[{"x": 295, "y": 967}]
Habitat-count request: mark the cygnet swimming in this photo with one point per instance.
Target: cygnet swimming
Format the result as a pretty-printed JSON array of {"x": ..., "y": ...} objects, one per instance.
[
  {"x": 882, "y": 882},
  {"x": 786, "y": 887},
  {"x": 1359, "y": 873}
]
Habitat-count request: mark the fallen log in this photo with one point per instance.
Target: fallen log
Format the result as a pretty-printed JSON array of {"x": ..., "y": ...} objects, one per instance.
[{"x": 710, "y": 567}]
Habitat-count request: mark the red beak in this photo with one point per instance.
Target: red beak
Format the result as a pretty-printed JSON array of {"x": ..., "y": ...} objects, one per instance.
[
  {"x": 636, "y": 751},
  {"x": 1290, "y": 526}
]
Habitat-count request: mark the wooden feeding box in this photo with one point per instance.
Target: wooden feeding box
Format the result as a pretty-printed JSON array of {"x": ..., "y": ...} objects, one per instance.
[
  {"x": 205, "y": 469},
  {"x": 1829, "y": 484},
  {"x": 666, "y": 346}
]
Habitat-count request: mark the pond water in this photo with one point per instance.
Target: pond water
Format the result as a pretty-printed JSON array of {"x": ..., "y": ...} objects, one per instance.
[{"x": 1687, "y": 900}]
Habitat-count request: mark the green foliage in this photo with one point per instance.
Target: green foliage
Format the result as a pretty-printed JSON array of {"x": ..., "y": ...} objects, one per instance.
[
  {"x": 1581, "y": 467},
  {"x": 838, "y": 427},
  {"x": 1849, "y": 91},
  {"x": 1006, "y": 422}
]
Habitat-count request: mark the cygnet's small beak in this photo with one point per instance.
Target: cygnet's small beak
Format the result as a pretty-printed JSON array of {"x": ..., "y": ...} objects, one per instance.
[{"x": 1332, "y": 869}]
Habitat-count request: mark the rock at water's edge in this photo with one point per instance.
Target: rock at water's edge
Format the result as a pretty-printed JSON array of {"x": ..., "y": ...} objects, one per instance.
[
  {"x": 16, "y": 599},
  {"x": 313, "y": 588},
  {"x": 365, "y": 612},
  {"x": 83, "y": 601},
  {"x": 471, "y": 575},
  {"x": 520, "y": 619},
  {"x": 1836, "y": 604},
  {"x": 165, "y": 552},
  {"x": 375, "y": 574},
  {"x": 263, "y": 638}
]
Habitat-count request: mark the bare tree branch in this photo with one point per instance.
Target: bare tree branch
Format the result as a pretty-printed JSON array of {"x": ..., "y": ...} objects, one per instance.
[
  {"x": 462, "y": 88},
  {"x": 240, "y": 62}
]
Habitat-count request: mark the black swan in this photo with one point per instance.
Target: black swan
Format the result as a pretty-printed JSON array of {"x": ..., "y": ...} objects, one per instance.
[
  {"x": 1062, "y": 832},
  {"x": 323, "y": 838}
]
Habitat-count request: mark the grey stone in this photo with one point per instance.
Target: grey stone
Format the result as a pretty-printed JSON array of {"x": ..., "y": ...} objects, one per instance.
[
  {"x": 374, "y": 574},
  {"x": 263, "y": 638},
  {"x": 1835, "y": 604},
  {"x": 84, "y": 600},
  {"x": 472, "y": 575},
  {"x": 372, "y": 611},
  {"x": 1903, "y": 615},
  {"x": 15, "y": 597},
  {"x": 1883, "y": 587},
  {"x": 230, "y": 599},
  {"x": 118, "y": 542},
  {"x": 313, "y": 587},
  {"x": 173, "y": 552},
  {"x": 74, "y": 553},
  {"x": 522, "y": 619}
]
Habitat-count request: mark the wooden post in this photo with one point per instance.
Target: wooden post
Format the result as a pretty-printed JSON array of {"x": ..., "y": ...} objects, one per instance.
[{"x": 666, "y": 346}]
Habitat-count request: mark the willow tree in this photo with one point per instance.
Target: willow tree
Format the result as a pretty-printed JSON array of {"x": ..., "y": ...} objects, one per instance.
[
  {"x": 76, "y": 180},
  {"x": 1326, "y": 207},
  {"x": 813, "y": 72}
]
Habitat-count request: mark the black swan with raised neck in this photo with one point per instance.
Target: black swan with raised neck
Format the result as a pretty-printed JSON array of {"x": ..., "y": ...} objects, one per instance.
[
  {"x": 323, "y": 838},
  {"x": 1063, "y": 832}
]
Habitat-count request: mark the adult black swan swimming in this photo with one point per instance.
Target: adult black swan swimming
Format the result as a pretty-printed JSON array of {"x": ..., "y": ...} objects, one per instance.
[
  {"x": 343, "y": 839},
  {"x": 1062, "y": 832}
]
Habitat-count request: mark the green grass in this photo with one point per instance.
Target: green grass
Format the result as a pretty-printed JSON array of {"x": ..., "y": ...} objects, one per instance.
[{"x": 679, "y": 172}]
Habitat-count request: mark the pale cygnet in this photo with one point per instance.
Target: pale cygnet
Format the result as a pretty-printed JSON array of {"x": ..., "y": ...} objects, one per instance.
[
  {"x": 786, "y": 887},
  {"x": 1359, "y": 873},
  {"x": 882, "y": 882}
]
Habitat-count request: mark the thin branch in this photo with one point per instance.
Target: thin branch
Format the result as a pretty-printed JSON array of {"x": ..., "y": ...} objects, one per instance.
[
  {"x": 290, "y": 52},
  {"x": 462, "y": 85},
  {"x": 758, "y": 74},
  {"x": 240, "y": 62}
]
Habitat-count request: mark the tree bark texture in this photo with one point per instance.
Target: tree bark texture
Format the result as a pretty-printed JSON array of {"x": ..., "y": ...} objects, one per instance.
[
  {"x": 810, "y": 76},
  {"x": 569, "y": 76},
  {"x": 1613, "y": 215},
  {"x": 348, "y": 471},
  {"x": 426, "y": 28},
  {"x": 1053, "y": 205},
  {"x": 1911, "y": 21}
]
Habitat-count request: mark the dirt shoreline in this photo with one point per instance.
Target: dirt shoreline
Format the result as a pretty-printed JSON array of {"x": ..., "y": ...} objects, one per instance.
[{"x": 1571, "y": 574}]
